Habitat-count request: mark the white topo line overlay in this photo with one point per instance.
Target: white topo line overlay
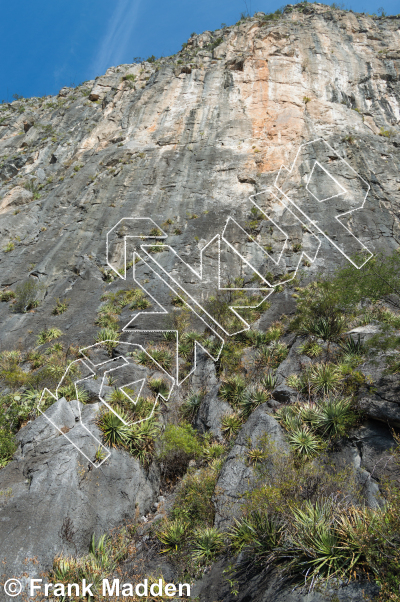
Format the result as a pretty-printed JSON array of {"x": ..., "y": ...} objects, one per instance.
[{"x": 199, "y": 310}]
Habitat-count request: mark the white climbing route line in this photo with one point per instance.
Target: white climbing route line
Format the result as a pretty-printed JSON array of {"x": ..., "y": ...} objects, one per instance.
[{"x": 318, "y": 194}]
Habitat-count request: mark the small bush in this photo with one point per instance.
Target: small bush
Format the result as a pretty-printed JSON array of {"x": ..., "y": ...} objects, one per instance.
[
  {"x": 109, "y": 338},
  {"x": 179, "y": 445},
  {"x": 7, "y": 295},
  {"x": 26, "y": 296},
  {"x": 194, "y": 497}
]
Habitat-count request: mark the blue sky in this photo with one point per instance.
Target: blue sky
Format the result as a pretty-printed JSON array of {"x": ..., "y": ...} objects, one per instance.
[{"x": 47, "y": 44}]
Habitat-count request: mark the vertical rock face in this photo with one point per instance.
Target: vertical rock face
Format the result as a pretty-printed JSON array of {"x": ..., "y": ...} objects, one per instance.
[
  {"x": 189, "y": 138},
  {"x": 185, "y": 141}
]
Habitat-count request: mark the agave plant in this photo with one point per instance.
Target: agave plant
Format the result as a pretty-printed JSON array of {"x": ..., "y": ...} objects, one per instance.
[
  {"x": 45, "y": 336},
  {"x": 109, "y": 337},
  {"x": 232, "y": 389},
  {"x": 213, "y": 451},
  {"x": 71, "y": 392},
  {"x": 114, "y": 430},
  {"x": 192, "y": 403},
  {"x": 230, "y": 425},
  {"x": 158, "y": 385},
  {"x": 258, "y": 533},
  {"x": 251, "y": 399},
  {"x": 304, "y": 442},
  {"x": 162, "y": 356},
  {"x": 327, "y": 328},
  {"x": 324, "y": 378},
  {"x": 318, "y": 545},
  {"x": 288, "y": 417},
  {"x": 255, "y": 456},
  {"x": 140, "y": 439},
  {"x": 310, "y": 348},
  {"x": 308, "y": 413},
  {"x": 269, "y": 381},
  {"x": 208, "y": 542},
  {"x": 173, "y": 535},
  {"x": 349, "y": 345},
  {"x": 334, "y": 416}
]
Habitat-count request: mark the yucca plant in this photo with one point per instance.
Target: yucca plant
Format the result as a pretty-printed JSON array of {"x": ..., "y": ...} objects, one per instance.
[
  {"x": 310, "y": 348},
  {"x": 230, "y": 425},
  {"x": 288, "y": 417},
  {"x": 207, "y": 543},
  {"x": 70, "y": 393},
  {"x": 334, "y": 416},
  {"x": 251, "y": 399},
  {"x": 321, "y": 544},
  {"x": 324, "y": 378},
  {"x": 141, "y": 438},
  {"x": 114, "y": 430},
  {"x": 309, "y": 413},
  {"x": 213, "y": 451},
  {"x": 173, "y": 535},
  {"x": 109, "y": 338},
  {"x": 192, "y": 403},
  {"x": 304, "y": 442},
  {"x": 327, "y": 328},
  {"x": 294, "y": 381},
  {"x": 158, "y": 385},
  {"x": 45, "y": 336},
  {"x": 255, "y": 456},
  {"x": 232, "y": 389},
  {"x": 269, "y": 381},
  {"x": 258, "y": 533},
  {"x": 349, "y": 345}
]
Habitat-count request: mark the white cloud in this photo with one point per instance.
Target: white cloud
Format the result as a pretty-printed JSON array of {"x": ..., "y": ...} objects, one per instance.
[{"x": 117, "y": 38}]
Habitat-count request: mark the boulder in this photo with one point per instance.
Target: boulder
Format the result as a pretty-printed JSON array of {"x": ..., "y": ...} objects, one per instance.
[
  {"x": 380, "y": 399},
  {"x": 52, "y": 488},
  {"x": 16, "y": 197}
]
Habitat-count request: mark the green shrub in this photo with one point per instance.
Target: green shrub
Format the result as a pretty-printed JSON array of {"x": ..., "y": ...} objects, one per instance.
[
  {"x": 7, "y": 445},
  {"x": 109, "y": 338},
  {"x": 179, "y": 445},
  {"x": 34, "y": 188},
  {"x": 6, "y": 295},
  {"x": 194, "y": 497},
  {"x": 26, "y": 296},
  {"x": 9, "y": 247}
]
